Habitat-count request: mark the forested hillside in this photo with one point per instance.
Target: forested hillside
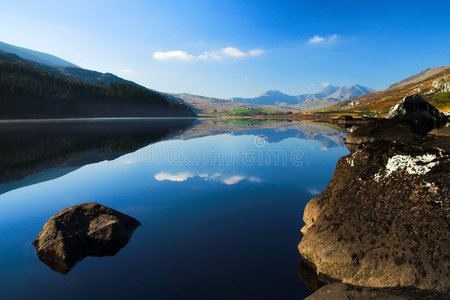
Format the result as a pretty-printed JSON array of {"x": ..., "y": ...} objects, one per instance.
[{"x": 27, "y": 91}]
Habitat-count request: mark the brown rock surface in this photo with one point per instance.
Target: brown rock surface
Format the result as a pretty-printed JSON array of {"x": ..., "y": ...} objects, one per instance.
[
  {"x": 421, "y": 115},
  {"x": 88, "y": 229},
  {"x": 384, "y": 219},
  {"x": 341, "y": 291}
]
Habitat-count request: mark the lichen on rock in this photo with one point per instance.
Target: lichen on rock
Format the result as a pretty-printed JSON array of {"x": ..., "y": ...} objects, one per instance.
[
  {"x": 418, "y": 165},
  {"x": 384, "y": 218}
]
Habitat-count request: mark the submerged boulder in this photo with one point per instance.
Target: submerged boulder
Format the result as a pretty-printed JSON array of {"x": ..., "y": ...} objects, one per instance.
[
  {"x": 88, "y": 229},
  {"x": 384, "y": 218},
  {"x": 416, "y": 111}
]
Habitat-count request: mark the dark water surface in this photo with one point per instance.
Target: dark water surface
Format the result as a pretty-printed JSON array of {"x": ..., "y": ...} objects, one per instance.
[{"x": 220, "y": 204}]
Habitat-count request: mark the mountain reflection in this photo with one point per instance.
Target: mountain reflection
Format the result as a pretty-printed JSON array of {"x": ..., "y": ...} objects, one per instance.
[
  {"x": 274, "y": 131},
  {"x": 42, "y": 151},
  {"x": 33, "y": 152}
]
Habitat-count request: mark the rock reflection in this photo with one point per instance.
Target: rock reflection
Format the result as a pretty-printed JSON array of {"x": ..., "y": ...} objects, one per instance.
[{"x": 308, "y": 275}]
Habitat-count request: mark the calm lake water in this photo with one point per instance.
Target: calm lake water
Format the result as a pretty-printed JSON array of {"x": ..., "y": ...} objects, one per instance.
[{"x": 220, "y": 204}]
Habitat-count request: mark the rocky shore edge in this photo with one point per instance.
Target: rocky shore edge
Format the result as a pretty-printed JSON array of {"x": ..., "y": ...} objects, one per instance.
[{"x": 381, "y": 227}]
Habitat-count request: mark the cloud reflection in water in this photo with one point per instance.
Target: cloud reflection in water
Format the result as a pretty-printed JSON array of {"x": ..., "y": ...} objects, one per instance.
[{"x": 218, "y": 177}]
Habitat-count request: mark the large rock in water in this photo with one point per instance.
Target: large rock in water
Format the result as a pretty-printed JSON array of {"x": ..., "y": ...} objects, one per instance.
[
  {"x": 88, "y": 229},
  {"x": 384, "y": 218},
  {"x": 416, "y": 111}
]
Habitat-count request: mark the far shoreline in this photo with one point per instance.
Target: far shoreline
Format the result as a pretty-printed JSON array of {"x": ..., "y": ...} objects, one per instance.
[{"x": 42, "y": 120}]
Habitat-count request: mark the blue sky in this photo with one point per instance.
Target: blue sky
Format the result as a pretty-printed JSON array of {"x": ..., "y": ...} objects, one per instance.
[{"x": 237, "y": 48}]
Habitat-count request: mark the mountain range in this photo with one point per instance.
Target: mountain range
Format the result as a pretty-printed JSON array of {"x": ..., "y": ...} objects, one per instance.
[
  {"x": 275, "y": 100},
  {"x": 328, "y": 92}
]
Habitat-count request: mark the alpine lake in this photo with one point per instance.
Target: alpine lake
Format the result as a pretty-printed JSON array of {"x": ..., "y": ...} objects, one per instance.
[{"x": 220, "y": 202}]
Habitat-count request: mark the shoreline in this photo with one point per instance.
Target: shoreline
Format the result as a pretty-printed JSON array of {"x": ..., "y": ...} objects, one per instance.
[
  {"x": 382, "y": 221},
  {"x": 39, "y": 120}
]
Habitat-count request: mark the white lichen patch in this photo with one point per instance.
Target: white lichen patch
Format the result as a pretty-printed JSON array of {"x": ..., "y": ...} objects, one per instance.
[
  {"x": 350, "y": 160},
  {"x": 431, "y": 187},
  {"x": 377, "y": 177},
  {"x": 418, "y": 165}
]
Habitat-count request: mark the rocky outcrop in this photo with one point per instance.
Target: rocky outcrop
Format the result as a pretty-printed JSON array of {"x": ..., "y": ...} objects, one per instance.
[
  {"x": 418, "y": 113},
  {"x": 440, "y": 85},
  {"x": 384, "y": 218},
  {"x": 88, "y": 229},
  {"x": 341, "y": 291},
  {"x": 411, "y": 117},
  {"x": 380, "y": 130},
  {"x": 349, "y": 121}
]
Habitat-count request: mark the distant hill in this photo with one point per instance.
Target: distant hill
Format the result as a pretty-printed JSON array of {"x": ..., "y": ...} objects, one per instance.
[
  {"x": 272, "y": 97},
  {"x": 208, "y": 105},
  {"x": 329, "y": 92},
  {"x": 419, "y": 76},
  {"x": 39, "y": 57},
  {"x": 346, "y": 93},
  {"x": 33, "y": 90},
  {"x": 275, "y": 100},
  {"x": 432, "y": 84},
  {"x": 70, "y": 71}
]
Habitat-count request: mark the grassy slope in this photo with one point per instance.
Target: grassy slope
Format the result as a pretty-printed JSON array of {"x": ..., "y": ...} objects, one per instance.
[
  {"x": 380, "y": 102},
  {"x": 251, "y": 112}
]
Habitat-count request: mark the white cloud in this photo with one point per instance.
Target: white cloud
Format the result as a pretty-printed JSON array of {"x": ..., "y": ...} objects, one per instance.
[
  {"x": 256, "y": 52},
  {"x": 232, "y": 52},
  {"x": 232, "y": 179},
  {"x": 317, "y": 39},
  {"x": 227, "y": 52},
  {"x": 213, "y": 55},
  {"x": 325, "y": 84},
  {"x": 126, "y": 71},
  {"x": 245, "y": 79},
  {"x": 183, "y": 176},
  {"x": 176, "y": 54}
]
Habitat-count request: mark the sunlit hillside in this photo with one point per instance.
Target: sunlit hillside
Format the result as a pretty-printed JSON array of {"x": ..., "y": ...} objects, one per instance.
[{"x": 434, "y": 88}]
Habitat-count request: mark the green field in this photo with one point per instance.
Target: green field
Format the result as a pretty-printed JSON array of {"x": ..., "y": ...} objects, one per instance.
[
  {"x": 252, "y": 122},
  {"x": 254, "y": 112}
]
